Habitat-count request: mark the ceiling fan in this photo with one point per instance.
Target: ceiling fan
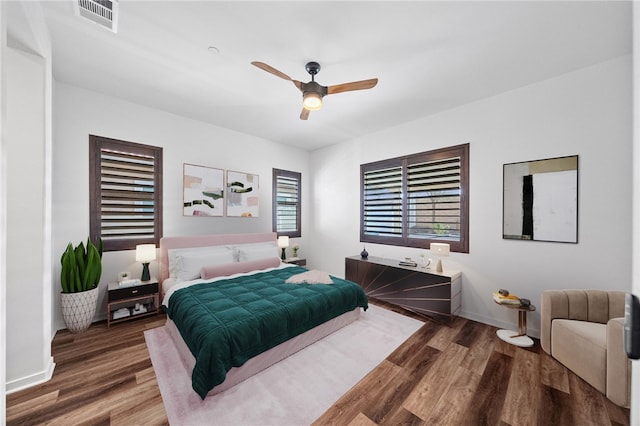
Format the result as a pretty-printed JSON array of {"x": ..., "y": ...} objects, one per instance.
[{"x": 312, "y": 92}]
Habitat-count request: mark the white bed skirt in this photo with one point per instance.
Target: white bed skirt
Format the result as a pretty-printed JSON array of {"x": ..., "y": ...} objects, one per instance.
[{"x": 268, "y": 358}]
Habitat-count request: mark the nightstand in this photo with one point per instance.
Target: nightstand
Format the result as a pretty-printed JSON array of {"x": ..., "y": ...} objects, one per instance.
[
  {"x": 125, "y": 303},
  {"x": 296, "y": 261}
]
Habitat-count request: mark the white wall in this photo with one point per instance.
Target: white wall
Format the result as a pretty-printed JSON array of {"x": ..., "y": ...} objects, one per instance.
[
  {"x": 27, "y": 144},
  {"x": 635, "y": 380},
  {"x": 25, "y": 207},
  {"x": 3, "y": 214},
  {"x": 79, "y": 112},
  {"x": 587, "y": 112}
]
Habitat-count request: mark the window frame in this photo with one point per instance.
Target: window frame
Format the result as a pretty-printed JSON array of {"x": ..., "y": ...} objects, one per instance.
[
  {"x": 96, "y": 145},
  {"x": 461, "y": 151},
  {"x": 276, "y": 173}
]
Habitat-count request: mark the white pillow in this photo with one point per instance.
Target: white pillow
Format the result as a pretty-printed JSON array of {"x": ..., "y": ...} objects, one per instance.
[
  {"x": 256, "y": 251},
  {"x": 188, "y": 264},
  {"x": 173, "y": 253}
]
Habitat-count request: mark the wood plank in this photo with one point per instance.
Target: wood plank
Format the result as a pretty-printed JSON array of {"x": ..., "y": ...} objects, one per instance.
[
  {"x": 414, "y": 345},
  {"x": 486, "y": 406},
  {"x": 446, "y": 334},
  {"x": 23, "y": 409},
  {"x": 554, "y": 407},
  {"x": 587, "y": 403},
  {"x": 362, "y": 420},
  {"x": 469, "y": 333},
  {"x": 553, "y": 374},
  {"x": 347, "y": 408},
  {"x": 479, "y": 353},
  {"x": 434, "y": 383},
  {"x": 386, "y": 402},
  {"x": 617, "y": 415},
  {"x": 521, "y": 403},
  {"x": 503, "y": 347},
  {"x": 402, "y": 417},
  {"x": 453, "y": 406}
]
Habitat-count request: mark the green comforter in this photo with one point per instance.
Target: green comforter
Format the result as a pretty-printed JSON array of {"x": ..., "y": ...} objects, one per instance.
[{"x": 227, "y": 322}]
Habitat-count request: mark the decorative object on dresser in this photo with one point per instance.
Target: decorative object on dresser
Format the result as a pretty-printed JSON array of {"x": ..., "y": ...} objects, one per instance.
[
  {"x": 364, "y": 253},
  {"x": 440, "y": 250},
  {"x": 427, "y": 293},
  {"x": 145, "y": 253},
  {"x": 295, "y": 248},
  {"x": 79, "y": 278},
  {"x": 283, "y": 243},
  {"x": 424, "y": 261},
  {"x": 408, "y": 262},
  {"x": 125, "y": 302}
]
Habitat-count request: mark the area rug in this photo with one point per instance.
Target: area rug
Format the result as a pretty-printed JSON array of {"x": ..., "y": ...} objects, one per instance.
[{"x": 295, "y": 391}]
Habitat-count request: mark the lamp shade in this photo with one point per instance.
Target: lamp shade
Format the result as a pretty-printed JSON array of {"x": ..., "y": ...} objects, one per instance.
[
  {"x": 439, "y": 249},
  {"x": 145, "y": 252},
  {"x": 283, "y": 242},
  {"x": 312, "y": 101}
]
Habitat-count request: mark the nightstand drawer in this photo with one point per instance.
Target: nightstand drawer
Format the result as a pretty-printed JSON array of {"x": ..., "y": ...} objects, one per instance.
[
  {"x": 296, "y": 261},
  {"x": 133, "y": 291}
]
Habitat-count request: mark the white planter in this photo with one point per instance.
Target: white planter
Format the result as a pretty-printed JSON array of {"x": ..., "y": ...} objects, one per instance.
[{"x": 78, "y": 309}]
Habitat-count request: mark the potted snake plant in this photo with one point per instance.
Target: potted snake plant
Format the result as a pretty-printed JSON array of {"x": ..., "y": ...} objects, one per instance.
[{"x": 79, "y": 278}]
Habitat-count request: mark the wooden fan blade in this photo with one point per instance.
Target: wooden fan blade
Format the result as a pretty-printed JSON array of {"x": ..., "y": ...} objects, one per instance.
[
  {"x": 354, "y": 85},
  {"x": 272, "y": 70},
  {"x": 304, "y": 114}
]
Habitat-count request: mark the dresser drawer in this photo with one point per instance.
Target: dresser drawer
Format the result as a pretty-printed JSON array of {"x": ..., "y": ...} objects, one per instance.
[{"x": 133, "y": 291}]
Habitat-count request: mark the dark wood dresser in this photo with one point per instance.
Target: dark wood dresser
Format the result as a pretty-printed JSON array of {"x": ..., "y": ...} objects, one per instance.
[{"x": 420, "y": 290}]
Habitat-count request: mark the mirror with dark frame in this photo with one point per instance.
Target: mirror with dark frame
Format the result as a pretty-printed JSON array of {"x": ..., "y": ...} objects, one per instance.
[{"x": 540, "y": 200}]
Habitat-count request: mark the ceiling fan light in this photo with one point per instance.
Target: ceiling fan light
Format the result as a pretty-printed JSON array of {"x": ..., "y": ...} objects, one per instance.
[{"x": 312, "y": 101}]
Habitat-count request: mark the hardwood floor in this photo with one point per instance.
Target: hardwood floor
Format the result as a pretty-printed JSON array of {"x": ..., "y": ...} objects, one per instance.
[
  {"x": 448, "y": 375},
  {"x": 103, "y": 376}
]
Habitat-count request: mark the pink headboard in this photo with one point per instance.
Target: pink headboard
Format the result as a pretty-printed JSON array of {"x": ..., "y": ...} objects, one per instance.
[{"x": 167, "y": 243}]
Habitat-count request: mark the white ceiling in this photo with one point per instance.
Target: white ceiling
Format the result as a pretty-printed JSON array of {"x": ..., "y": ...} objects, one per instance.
[{"x": 429, "y": 57}]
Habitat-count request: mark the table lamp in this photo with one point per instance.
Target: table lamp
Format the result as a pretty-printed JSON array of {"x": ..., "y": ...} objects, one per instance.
[
  {"x": 145, "y": 253},
  {"x": 439, "y": 249},
  {"x": 283, "y": 243}
]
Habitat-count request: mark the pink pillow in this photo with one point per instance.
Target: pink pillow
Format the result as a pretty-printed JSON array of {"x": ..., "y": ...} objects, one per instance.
[{"x": 207, "y": 272}]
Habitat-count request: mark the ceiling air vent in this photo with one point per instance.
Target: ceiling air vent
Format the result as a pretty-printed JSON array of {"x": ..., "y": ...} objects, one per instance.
[{"x": 102, "y": 12}]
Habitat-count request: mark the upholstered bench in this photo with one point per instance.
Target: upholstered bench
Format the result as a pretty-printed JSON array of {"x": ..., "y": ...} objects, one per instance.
[{"x": 582, "y": 329}]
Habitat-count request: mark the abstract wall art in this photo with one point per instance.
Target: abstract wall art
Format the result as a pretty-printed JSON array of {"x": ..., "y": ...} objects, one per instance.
[
  {"x": 203, "y": 191},
  {"x": 540, "y": 200},
  {"x": 243, "y": 198}
]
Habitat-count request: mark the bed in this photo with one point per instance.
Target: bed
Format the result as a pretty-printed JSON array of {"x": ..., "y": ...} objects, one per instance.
[{"x": 231, "y": 312}]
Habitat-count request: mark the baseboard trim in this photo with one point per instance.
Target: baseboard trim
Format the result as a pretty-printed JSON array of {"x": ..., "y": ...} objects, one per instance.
[{"x": 32, "y": 380}]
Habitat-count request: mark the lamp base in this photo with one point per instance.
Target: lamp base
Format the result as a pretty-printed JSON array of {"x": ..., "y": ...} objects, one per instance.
[
  {"x": 283, "y": 256},
  {"x": 439, "y": 265},
  {"x": 145, "y": 272}
]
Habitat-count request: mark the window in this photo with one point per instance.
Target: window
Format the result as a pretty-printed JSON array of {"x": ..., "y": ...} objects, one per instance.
[
  {"x": 125, "y": 184},
  {"x": 286, "y": 203},
  {"x": 417, "y": 199}
]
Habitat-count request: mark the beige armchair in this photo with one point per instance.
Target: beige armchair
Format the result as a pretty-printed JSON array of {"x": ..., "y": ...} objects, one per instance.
[{"x": 583, "y": 330}]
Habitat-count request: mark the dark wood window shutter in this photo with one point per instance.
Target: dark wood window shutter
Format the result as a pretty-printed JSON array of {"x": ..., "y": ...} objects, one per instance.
[
  {"x": 126, "y": 193},
  {"x": 417, "y": 199},
  {"x": 287, "y": 203}
]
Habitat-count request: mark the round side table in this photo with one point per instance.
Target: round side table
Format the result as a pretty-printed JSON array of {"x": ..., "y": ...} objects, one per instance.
[{"x": 520, "y": 337}]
